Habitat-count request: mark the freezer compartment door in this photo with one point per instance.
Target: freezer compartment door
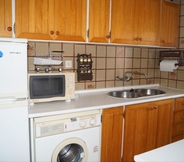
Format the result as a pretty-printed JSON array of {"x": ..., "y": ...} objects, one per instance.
[{"x": 13, "y": 67}]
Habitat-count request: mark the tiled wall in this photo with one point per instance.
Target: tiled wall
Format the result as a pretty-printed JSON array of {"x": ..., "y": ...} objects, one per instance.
[{"x": 111, "y": 61}]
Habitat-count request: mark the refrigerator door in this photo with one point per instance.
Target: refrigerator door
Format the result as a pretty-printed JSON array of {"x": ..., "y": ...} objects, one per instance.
[
  {"x": 14, "y": 136},
  {"x": 13, "y": 66}
]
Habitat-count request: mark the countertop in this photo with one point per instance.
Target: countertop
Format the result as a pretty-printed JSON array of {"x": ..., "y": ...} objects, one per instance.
[
  {"x": 173, "y": 152},
  {"x": 98, "y": 99}
]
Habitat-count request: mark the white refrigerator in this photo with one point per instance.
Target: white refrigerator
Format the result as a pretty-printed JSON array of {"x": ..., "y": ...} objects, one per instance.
[{"x": 14, "y": 127}]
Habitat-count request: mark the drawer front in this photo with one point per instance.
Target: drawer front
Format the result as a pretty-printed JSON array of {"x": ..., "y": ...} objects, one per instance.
[
  {"x": 178, "y": 129},
  {"x": 177, "y": 138},
  {"x": 179, "y": 104},
  {"x": 178, "y": 117}
]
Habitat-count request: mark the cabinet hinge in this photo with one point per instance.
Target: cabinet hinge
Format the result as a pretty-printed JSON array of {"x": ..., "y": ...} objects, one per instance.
[
  {"x": 14, "y": 28},
  {"x": 88, "y": 33}
]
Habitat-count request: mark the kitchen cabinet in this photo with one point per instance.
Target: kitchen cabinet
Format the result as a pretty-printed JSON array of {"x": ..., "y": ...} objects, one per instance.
[
  {"x": 169, "y": 24},
  {"x": 51, "y": 19},
  {"x": 6, "y": 18},
  {"x": 147, "y": 126},
  {"x": 178, "y": 120},
  {"x": 136, "y": 22},
  {"x": 99, "y": 17},
  {"x": 112, "y": 126}
]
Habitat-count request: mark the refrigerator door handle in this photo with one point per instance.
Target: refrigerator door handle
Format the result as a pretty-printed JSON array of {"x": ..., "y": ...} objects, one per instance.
[{"x": 5, "y": 99}]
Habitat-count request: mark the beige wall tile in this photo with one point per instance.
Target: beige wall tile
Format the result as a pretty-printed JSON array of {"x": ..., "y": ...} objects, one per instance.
[
  {"x": 136, "y": 63},
  {"x": 110, "y": 63},
  {"x": 152, "y": 53},
  {"x": 100, "y": 74},
  {"x": 110, "y": 75},
  {"x": 119, "y": 62},
  {"x": 128, "y": 51},
  {"x": 180, "y": 75},
  {"x": 101, "y": 51},
  {"x": 55, "y": 47},
  {"x": 109, "y": 84},
  {"x": 120, "y": 51},
  {"x": 42, "y": 48},
  {"x": 144, "y": 63},
  {"x": 80, "y": 48},
  {"x": 144, "y": 53},
  {"x": 31, "y": 64},
  {"x": 101, "y": 63},
  {"x": 128, "y": 63},
  {"x": 68, "y": 49},
  {"x": 172, "y": 83},
  {"x": 111, "y": 51},
  {"x": 137, "y": 52},
  {"x": 91, "y": 49},
  {"x": 180, "y": 85},
  {"x": 100, "y": 84},
  {"x": 151, "y": 63}
]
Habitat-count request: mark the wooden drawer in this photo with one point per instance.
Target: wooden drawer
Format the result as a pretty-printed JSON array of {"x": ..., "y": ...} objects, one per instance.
[
  {"x": 177, "y": 138},
  {"x": 178, "y": 117},
  {"x": 178, "y": 129},
  {"x": 179, "y": 104}
]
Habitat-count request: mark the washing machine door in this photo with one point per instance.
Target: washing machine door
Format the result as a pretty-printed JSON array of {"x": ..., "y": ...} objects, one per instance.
[{"x": 70, "y": 150}]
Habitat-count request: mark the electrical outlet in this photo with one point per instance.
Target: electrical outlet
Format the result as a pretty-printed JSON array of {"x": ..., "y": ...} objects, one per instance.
[{"x": 68, "y": 63}]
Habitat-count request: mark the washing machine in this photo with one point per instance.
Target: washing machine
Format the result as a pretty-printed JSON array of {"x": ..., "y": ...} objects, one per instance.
[{"x": 67, "y": 138}]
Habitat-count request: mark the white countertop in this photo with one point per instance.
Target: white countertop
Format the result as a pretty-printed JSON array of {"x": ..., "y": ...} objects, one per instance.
[
  {"x": 98, "y": 99},
  {"x": 173, "y": 152}
]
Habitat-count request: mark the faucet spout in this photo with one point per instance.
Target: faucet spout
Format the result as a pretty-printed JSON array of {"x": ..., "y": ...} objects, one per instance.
[{"x": 126, "y": 78}]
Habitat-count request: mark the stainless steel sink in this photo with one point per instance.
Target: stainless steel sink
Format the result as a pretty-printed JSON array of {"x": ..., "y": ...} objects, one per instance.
[{"x": 135, "y": 93}]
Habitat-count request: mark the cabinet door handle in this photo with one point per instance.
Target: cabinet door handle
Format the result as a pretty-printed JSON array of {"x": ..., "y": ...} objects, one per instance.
[
  {"x": 57, "y": 33},
  {"x": 140, "y": 39},
  {"x": 51, "y": 32},
  {"x": 9, "y": 28},
  {"x": 155, "y": 107},
  {"x": 108, "y": 36},
  {"x": 137, "y": 39},
  {"x": 151, "y": 107}
]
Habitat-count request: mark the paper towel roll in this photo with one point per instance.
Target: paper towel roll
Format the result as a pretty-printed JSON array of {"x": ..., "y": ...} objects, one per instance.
[{"x": 168, "y": 65}]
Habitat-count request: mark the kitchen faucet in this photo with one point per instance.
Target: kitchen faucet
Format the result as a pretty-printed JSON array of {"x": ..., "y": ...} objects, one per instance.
[{"x": 127, "y": 79}]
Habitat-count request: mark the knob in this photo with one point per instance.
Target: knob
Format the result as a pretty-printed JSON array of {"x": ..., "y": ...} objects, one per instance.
[
  {"x": 151, "y": 107},
  {"x": 82, "y": 123},
  {"x": 92, "y": 121},
  {"x": 47, "y": 70},
  {"x": 140, "y": 39},
  {"x": 9, "y": 28},
  {"x": 136, "y": 39},
  {"x": 57, "y": 33},
  {"x": 108, "y": 36},
  {"x": 37, "y": 69},
  {"x": 51, "y": 32},
  {"x": 59, "y": 69}
]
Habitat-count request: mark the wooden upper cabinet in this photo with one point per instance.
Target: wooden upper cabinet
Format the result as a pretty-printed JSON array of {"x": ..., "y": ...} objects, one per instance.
[
  {"x": 99, "y": 17},
  {"x": 5, "y": 18},
  {"x": 124, "y": 21},
  {"x": 135, "y": 22},
  {"x": 34, "y": 19},
  {"x": 149, "y": 22},
  {"x": 70, "y": 20},
  {"x": 112, "y": 126},
  {"x": 51, "y": 19},
  {"x": 169, "y": 24},
  {"x": 147, "y": 126}
]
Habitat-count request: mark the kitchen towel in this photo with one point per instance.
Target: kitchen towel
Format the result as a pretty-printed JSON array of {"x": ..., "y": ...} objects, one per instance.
[{"x": 168, "y": 65}]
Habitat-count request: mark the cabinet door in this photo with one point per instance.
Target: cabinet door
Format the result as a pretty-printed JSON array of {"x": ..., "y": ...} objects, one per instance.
[
  {"x": 5, "y": 18},
  {"x": 169, "y": 24},
  {"x": 164, "y": 122},
  {"x": 140, "y": 130},
  {"x": 149, "y": 22},
  {"x": 112, "y": 134},
  {"x": 70, "y": 20},
  {"x": 124, "y": 21},
  {"x": 35, "y": 19},
  {"x": 99, "y": 13}
]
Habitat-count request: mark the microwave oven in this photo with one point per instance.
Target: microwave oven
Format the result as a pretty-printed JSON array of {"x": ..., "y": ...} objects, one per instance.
[{"x": 45, "y": 87}]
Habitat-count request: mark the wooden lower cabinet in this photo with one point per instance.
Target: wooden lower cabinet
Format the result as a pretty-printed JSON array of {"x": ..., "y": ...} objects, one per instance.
[
  {"x": 147, "y": 126},
  {"x": 112, "y": 124},
  {"x": 178, "y": 120}
]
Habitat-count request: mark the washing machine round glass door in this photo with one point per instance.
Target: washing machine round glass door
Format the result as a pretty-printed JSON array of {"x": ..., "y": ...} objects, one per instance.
[{"x": 70, "y": 150}]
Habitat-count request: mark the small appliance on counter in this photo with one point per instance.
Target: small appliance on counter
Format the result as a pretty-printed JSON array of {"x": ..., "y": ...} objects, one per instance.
[
  {"x": 14, "y": 136},
  {"x": 52, "y": 86}
]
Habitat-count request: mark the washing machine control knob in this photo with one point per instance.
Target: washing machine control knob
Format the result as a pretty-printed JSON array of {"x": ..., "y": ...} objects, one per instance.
[
  {"x": 92, "y": 121},
  {"x": 82, "y": 123}
]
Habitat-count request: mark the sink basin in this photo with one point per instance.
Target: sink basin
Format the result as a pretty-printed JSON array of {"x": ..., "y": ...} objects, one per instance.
[{"x": 135, "y": 93}]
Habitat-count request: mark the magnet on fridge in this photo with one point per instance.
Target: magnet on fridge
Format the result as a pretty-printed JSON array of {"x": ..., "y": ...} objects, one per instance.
[{"x": 1, "y": 54}]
